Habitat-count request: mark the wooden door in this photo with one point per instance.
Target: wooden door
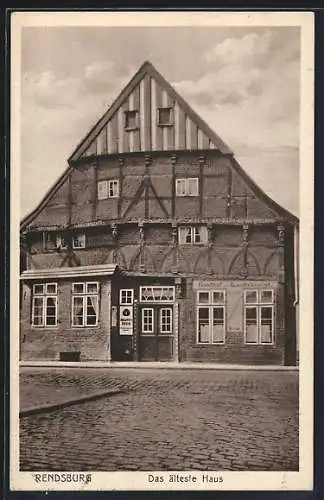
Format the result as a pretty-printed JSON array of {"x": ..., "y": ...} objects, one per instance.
[{"x": 156, "y": 333}]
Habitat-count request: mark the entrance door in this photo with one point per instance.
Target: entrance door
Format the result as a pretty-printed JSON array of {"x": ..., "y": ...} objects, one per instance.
[{"x": 156, "y": 333}]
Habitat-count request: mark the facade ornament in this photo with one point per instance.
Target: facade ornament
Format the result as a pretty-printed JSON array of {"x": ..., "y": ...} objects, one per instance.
[
  {"x": 202, "y": 160},
  {"x": 114, "y": 231},
  {"x": 121, "y": 161},
  {"x": 174, "y": 159},
  {"x": 245, "y": 233},
  {"x": 141, "y": 231},
  {"x": 281, "y": 234},
  {"x": 148, "y": 159},
  {"x": 210, "y": 234},
  {"x": 174, "y": 234}
]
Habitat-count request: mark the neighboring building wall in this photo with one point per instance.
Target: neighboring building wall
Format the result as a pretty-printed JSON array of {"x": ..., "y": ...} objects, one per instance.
[{"x": 39, "y": 343}]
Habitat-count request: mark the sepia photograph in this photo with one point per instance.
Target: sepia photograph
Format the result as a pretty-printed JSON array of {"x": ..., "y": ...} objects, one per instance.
[{"x": 162, "y": 205}]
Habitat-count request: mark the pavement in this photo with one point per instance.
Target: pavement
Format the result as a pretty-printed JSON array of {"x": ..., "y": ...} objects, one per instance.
[{"x": 161, "y": 420}]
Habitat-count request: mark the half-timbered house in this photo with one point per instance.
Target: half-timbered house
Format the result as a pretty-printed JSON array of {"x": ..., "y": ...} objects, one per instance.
[{"x": 155, "y": 245}]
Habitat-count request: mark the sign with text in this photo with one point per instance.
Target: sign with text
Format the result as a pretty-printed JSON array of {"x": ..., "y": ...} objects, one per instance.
[
  {"x": 126, "y": 320},
  {"x": 216, "y": 284}
]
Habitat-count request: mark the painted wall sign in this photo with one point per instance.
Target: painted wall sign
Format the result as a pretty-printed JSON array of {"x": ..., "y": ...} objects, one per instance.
[
  {"x": 243, "y": 284},
  {"x": 126, "y": 320}
]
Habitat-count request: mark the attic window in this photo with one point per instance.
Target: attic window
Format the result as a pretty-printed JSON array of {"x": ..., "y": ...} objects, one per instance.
[
  {"x": 131, "y": 120},
  {"x": 165, "y": 117}
]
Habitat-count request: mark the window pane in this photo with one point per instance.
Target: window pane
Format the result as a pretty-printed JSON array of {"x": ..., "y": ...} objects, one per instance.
[
  {"x": 78, "y": 311},
  {"x": 251, "y": 325},
  {"x": 92, "y": 287},
  {"x": 203, "y": 297},
  {"x": 218, "y": 297},
  {"x": 197, "y": 235},
  {"x": 181, "y": 187},
  {"x": 39, "y": 289},
  {"x": 91, "y": 311},
  {"x": 113, "y": 189},
  {"x": 218, "y": 324},
  {"x": 51, "y": 288},
  {"x": 166, "y": 320},
  {"x": 203, "y": 324},
  {"x": 192, "y": 187},
  {"x": 147, "y": 320},
  {"x": 251, "y": 297},
  {"x": 78, "y": 287},
  {"x": 266, "y": 296},
  {"x": 165, "y": 116},
  {"x": 188, "y": 235},
  {"x": 266, "y": 324},
  {"x": 102, "y": 190}
]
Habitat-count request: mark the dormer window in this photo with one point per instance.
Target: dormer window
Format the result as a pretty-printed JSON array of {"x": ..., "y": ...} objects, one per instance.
[
  {"x": 131, "y": 120},
  {"x": 165, "y": 117}
]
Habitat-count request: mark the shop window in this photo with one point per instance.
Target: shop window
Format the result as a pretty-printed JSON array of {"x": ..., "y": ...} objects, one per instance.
[
  {"x": 78, "y": 240},
  {"x": 259, "y": 316},
  {"x": 187, "y": 187},
  {"x": 131, "y": 120},
  {"x": 193, "y": 235},
  {"x": 211, "y": 308},
  {"x": 157, "y": 294},
  {"x": 108, "y": 189},
  {"x": 126, "y": 296},
  {"x": 165, "y": 117},
  {"x": 85, "y": 300},
  {"x": 44, "y": 305}
]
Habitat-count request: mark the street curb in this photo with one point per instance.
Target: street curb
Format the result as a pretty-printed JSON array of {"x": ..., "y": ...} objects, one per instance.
[
  {"x": 160, "y": 366},
  {"x": 34, "y": 410}
]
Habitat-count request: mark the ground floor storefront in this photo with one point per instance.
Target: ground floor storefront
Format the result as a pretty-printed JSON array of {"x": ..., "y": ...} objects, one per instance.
[{"x": 103, "y": 314}]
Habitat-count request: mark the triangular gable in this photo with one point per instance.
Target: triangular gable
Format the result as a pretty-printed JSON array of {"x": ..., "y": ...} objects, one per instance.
[
  {"x": 102, "y": 138},
  {"x": 146, "y": 94}
]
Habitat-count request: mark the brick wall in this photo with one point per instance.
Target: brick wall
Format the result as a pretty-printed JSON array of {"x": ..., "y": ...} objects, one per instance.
[{"x": 47, "y": 343}]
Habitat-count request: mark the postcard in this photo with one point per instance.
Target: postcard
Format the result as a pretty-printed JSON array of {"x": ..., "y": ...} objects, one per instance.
[{"x": 161, "y": 277}]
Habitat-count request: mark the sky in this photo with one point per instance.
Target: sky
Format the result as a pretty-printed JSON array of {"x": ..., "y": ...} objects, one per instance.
[{"x": 244, "y": 81}]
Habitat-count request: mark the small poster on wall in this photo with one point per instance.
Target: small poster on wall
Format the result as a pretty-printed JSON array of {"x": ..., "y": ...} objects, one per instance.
[{"x": 126, "y": 320}]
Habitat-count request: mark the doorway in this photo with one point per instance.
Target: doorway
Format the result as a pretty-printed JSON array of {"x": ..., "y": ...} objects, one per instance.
[{"x": 156, "y": 332}]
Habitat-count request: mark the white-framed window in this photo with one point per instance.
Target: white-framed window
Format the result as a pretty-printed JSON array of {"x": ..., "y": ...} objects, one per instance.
[
  {"x": 131, "y": 120},
  {"x": 108, "y": 189},
  {"x": 147, "y": 320},
  {"x": 44, "y": 305},
  {"x": 126, "y": 296},
  {"x": 166, "y": 323},
  {"x": 165, "y": 116},
  {"x": 192, "y": 235},
  {"x": 78, "y": 240},
  {"x": 162, "y": 294},
  {"x": 61, "y": 242},
  {"x": 211, "y": 311},
  {"x": 187, "y": 187},
  {"x": 85, "y": 303},
  {"x": 259, "y": 316}
]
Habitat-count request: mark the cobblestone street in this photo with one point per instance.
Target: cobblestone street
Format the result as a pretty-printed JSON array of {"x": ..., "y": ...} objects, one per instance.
[{"x": 163, "y": 420}]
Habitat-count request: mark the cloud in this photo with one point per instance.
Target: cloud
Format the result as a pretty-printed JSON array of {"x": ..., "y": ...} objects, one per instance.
[
  {"x": 251, "y": 93},
  {"x": 244, "y": 50}
]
